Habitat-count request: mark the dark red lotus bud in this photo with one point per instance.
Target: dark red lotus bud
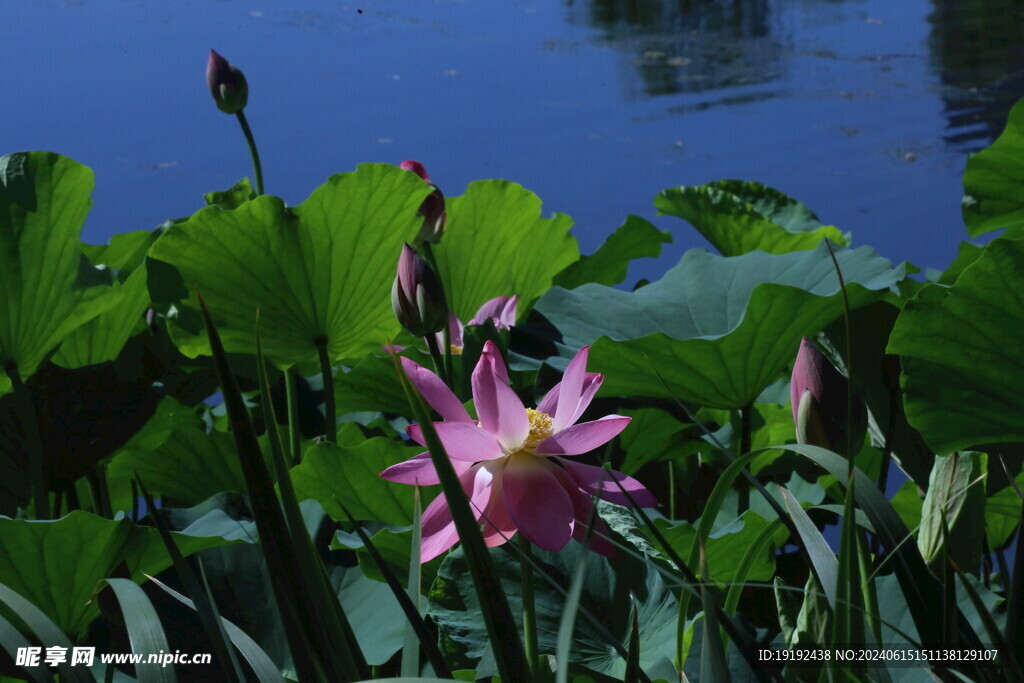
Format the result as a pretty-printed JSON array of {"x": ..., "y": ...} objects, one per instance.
[
  {"x": 819, "y": 394},
  {"x": 435, "y": 216},
  {"x": 417, "y": 296},
  {"x": 227, "y": 84}
]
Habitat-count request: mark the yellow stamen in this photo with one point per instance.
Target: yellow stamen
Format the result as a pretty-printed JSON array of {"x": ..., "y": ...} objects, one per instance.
[
  {"x": 456, "y": 350},
  {"x": 540, "y": 427}
]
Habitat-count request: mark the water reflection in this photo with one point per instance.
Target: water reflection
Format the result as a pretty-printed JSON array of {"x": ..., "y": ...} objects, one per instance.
[
  {"x": 687, "y": 46},
  {"x": 977, "y": 49}
]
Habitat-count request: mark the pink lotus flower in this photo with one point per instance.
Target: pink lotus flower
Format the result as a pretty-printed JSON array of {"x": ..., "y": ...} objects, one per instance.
[
  {"x": 512, "y": 463},
  {"x": 500, "y": 310}
]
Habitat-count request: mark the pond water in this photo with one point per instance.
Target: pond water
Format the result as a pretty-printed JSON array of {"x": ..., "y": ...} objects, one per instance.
[{"x": 863, "y": 109}]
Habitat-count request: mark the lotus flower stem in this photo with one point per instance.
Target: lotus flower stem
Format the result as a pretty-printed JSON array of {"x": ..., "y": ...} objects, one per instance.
[
  {"x": 438, "y": 357},
  {"x": 530, "y": 642},
  {"x": 746, "y": 438},
  {"x": 253, "y": 152},
  {"x": 848, "y": 358},
  {"x": 328, "y": 378},
  {"x": 428, "y": 253},
  {"x": 30, "y": 424},
  {"x": 292, "y": 397}
]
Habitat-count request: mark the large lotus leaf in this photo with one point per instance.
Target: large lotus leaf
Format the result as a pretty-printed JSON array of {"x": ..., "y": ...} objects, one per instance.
[
  {"x": 1002, "y": 514},
  {"x": 57, "y": 564},
  {"x": 395, "y": 547},
  {"x": 372, "y": 385},
  {"x": 47, "y": 286},
  {"x": 725, "y": 547},
  {"x": 497, "y": 244},
  {"x": 993, "y": 181},
  {"x": 332, "y": 474},
  {"x": 188, "y": 466},
  {"x": 320, "y": 272},
  {"x": 738, "y": 217},
  {"x": 124, "y": 252},
  {"x": 608, "y": 265},
  {"x": 372, "y": 609},
  {"x": 960, "y": 351},
  {"x": 606, "y": 595},
  {"x": 102, "y": 338},
  {"x": 717, "y": 330}
]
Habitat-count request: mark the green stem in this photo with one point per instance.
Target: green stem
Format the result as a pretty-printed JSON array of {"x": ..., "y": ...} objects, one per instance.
[
  {"x": 672, "y": 490},
  {"x": 291, "y": 378},
  {"x": 530, "y": 642},
  {"x": 253, "y": 152},
  {"x": 848, "y": 360},
  {"x": 100, "y": 494},
  {"x": 30, "y": 423},
  {"x": 328, "y": 378},
  {"x": 435, "y": 353},
  {"x": 746, "y": 438}
]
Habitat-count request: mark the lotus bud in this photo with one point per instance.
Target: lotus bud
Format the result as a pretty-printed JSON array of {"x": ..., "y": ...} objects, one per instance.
[
  {"x": 227, "y": 84},
  {"x": 819, "y": 393},
  {"x": 435, "y": 217},
  {"x": 417, "y": 295}
]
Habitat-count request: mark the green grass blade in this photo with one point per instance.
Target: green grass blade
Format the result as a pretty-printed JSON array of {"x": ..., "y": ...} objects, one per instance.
[
  {"x": 739, "y": 577},
  {"x": 1009, "y": 660},
  {"x": 145, "y": 632},
  {"x": 10, "y": 640},
  {"x": 919, "y": 585},
  {"x": 1015, "y": 596},
  {"x": 412, "y": 615},
  {"x": 571, "y": 608},
  {"x": 505, "y": 643},
  {"x": 206, "y": 609},
  {"x": 713, "y": 666},
  {"x": 823, "y": 560},
  {"x": 410, "y": 643},
  {"x": 290, "y": 586},
  {"x": 324, "y": 605},
  {"x": 746, "y": 644},
  {"x": 848, "y": 622},
  {"x": 45, "y": 631},
  {"x": 260, "y": 662},
  {"x": 632, "y": 673}
]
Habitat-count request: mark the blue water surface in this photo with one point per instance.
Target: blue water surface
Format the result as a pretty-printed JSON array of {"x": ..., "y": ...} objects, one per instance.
[{"x": 863, "y": 109}]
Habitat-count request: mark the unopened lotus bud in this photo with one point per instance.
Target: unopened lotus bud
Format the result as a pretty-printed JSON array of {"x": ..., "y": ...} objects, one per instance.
[
  {"x": 435, "y": 216},
  {"x": 819, "y": 395},
  {"x": 227, "y": 84},
  {"x": 417, "y": 295}
]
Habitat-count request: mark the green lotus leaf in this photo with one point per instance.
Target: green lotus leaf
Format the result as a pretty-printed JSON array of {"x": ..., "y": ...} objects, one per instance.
[
  {"x": 124, "y": 252},
  {"x": 497, "y": 244},
  {"x": 725, "y": 547},
  {"x": 332, "y": 474},
  {"x": 993, "y": 179},
  {"x": 739, "y": 217},
  {"x": 102, "y": 338},
  {"x": 57, "y": 564},
  {"x": 319, "y": 273},
  {"x": 959, "y": 347},
  {"x": 48, "y": 288},
  {"x": 636, "y": 238},
  {"x": 716, "y": 330},
  {"x": 175, "y": 456}
]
